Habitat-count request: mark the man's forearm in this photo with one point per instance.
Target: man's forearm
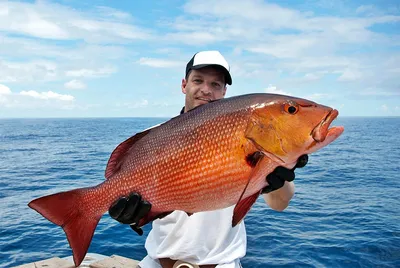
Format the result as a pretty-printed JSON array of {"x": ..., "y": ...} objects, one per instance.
[{"x": 279, "y": 199}]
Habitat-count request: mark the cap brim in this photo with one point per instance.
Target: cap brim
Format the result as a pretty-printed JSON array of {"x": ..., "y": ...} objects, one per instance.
[{"x": 228, "y": 78}]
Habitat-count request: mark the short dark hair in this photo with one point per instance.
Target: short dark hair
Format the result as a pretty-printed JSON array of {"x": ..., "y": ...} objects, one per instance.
[{"x": 216, "y": 67}]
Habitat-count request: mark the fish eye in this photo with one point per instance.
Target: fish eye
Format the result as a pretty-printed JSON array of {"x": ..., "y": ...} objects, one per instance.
[{"x": 291, "y": 108}]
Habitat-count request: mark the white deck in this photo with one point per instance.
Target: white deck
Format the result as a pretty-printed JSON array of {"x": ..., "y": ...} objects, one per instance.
[{"x": 91, "y": 260}]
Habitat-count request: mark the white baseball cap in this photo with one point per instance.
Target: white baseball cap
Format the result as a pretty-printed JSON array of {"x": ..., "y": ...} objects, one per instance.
[{"x": 209, "y": 58}]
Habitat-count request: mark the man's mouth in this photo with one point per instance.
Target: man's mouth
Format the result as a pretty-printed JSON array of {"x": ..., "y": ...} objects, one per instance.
[{"x": 204, "y": 99}]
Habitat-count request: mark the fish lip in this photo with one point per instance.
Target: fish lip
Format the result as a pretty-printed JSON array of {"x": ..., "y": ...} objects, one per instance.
[{"x": 320, "y": 132}]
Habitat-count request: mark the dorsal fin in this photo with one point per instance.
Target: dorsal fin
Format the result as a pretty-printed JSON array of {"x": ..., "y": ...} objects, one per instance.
[{"x": 118, "y": 155}]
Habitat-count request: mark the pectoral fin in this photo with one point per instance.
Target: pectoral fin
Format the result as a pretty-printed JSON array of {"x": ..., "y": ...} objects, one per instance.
[{"x": 243, "y": 207}]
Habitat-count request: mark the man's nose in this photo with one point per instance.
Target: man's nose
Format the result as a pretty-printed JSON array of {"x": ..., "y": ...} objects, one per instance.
[{"x": 206, "y": 89}]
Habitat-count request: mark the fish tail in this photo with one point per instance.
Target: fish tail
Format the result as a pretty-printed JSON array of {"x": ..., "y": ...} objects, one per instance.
[{"x": 70, "y": 211}]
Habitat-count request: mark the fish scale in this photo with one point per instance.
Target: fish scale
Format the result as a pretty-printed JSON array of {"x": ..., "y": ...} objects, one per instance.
[
  {"x": 199, "y": 161},
  {"x": 193, "y": 170}
]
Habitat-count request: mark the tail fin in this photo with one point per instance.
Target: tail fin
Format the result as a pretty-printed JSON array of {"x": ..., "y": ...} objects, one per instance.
[{"x": 66, "y": 209}]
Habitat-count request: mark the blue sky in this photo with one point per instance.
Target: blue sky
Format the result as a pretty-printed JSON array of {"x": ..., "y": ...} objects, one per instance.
[{"x": 127, "y": 58}]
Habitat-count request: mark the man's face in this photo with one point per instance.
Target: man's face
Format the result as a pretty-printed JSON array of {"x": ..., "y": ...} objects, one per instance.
[{"x": 202, "y": 86}]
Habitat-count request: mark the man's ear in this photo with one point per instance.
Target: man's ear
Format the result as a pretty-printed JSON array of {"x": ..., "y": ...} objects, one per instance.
[
  {"x": 223, "y": 94},
  {"x": 183, "y": 85}
]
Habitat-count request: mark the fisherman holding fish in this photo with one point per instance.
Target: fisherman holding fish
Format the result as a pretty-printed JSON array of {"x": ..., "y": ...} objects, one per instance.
[
  {"x": 197, "y": 175},
  {"x": 204, "y": 239}
]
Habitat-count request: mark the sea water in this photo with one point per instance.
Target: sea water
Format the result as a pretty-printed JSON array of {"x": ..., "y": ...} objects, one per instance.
[{"x": 345, "y": 212}]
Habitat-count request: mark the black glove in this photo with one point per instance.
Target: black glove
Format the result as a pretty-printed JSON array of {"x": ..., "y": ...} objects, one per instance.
[
  {"x": 276, "y": 179},
  {"x": 129, "y": 210}
]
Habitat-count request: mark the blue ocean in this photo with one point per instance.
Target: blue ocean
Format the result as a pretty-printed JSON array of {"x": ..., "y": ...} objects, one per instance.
[{"x": 345, "y": 213}]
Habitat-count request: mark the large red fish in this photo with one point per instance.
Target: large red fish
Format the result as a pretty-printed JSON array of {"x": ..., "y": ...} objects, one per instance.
[{"x": 198, "y": 161}]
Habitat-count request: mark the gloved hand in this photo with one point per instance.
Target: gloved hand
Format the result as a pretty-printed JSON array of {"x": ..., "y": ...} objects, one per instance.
[
  {"x": 129, "y": 210},
  {"x": 277, "y": 178}
]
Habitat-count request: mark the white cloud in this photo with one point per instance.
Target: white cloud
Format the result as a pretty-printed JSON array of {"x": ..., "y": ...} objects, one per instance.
[
  {"x": 160, "y": 63},
  {"x": 311, "y": 77},
  {"x": 4, "y": 90},
  {"x": 247, "y": 69},
  {"x": 365, "y": 9},
  {"x": 21, "y": 47},
  {"x": 115, "y": 13},
  {"x": 3, "y": 100},
  {"x": 236, "y": 16},
  {"x": 249, "y": 10},
  {"x": 384, "y": 108},
  {"x": 26, "y": 19},
  {"x": 306, "y": 78},
  {"x": 106, "y": 71},
  {"x": 350, "y": 75},
  {"x": 134, "y": 105},
  {"x": 317, "y": 97},
  {"x": 285, "y": 46},
  {"x": 262, "y": 42},
  {"x": 295, "y": 42},
  {"x": 274, "y": 90},
  {"x": 102, "y": 32},
  {"x": 380, "y": 93},
  {"x": 237, "y": 51},
  {"x": 16, "y": 71},
  {"x": 47, "y": 95},
  {"x": 195, "y": 38},
  {"x": 74, "y": 84},
  {"x": 321, "y": 64},
  {"x": 394, "y": 70},
  {"x": 39, "y": 20}
]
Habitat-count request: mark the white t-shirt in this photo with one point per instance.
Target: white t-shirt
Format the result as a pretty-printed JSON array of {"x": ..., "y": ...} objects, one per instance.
[{"x": 202, "y": 238}]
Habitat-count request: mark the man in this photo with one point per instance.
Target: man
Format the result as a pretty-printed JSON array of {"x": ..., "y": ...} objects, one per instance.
[{"x": 205, "y": 238}]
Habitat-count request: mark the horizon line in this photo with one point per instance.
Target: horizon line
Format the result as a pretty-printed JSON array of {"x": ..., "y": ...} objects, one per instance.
[{"x": 150, "y": 117}]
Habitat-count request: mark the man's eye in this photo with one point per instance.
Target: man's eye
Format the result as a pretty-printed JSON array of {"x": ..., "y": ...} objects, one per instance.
[
  {"x": 216, "y": 85},
  {"x": 197, "y": 81}
]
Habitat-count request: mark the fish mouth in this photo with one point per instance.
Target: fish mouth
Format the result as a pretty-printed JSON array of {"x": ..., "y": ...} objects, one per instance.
[{"x": 321, "y": 131}]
